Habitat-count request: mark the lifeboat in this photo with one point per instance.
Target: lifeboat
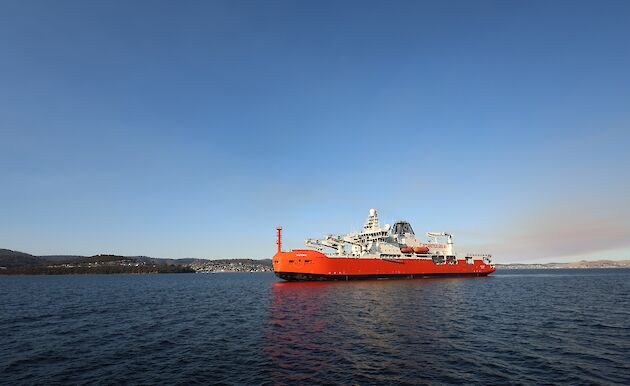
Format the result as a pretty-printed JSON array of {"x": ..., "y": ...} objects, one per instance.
[
  {"x": 421, "y": 250},
  {"x": 406, "y": 249}
]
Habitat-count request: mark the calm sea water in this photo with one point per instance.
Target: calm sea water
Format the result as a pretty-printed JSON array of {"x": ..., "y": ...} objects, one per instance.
[{"x": 521, "y": 327}]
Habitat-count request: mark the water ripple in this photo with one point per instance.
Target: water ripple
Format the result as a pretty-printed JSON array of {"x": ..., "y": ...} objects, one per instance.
[{"x": 524, "y": 327}]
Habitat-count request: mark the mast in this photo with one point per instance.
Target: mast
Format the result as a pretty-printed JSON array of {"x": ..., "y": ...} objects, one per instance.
[
  {"x": 279, "y": 238},
  {"x": 372, "y": 222}
]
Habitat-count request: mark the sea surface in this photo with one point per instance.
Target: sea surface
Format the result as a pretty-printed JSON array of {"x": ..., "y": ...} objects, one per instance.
[{"x": 515, "y": 327}]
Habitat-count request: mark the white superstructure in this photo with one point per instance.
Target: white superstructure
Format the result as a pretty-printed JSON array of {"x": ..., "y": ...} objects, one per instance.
[{"x": 397, "y": 242}]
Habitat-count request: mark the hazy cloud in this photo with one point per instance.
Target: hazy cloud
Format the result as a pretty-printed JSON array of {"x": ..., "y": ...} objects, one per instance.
[{"x": 557, "y": 234}]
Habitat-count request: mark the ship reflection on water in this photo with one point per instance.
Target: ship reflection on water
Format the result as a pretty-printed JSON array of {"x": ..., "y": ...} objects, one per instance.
[
  {"x": 378, "y": 331},
  {"x": 298, "y": 320}
]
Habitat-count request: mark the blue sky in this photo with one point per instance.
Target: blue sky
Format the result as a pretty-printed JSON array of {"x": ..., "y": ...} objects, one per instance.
[{"x": 192, "y": 129}]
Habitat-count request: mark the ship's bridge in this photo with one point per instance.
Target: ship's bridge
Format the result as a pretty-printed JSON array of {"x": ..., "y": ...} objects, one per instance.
[{"x": 401, "y": 228}]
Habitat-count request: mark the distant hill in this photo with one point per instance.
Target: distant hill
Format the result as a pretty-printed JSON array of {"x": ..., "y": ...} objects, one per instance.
[
  {"x": 189, "y": 261},
  {"x": 18, "y": 263},
  {"x": 158, "y": 260},
  {"x": 578, "y": 264},
  {"x": 600, "y": 264},
  {"x": 14, "y": 262},
  {"x": 61, "y": 257},
  {"x": 9, "y": 258}
]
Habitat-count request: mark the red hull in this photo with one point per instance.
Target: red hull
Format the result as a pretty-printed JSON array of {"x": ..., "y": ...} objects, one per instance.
[{"x": 306, "y": 264}]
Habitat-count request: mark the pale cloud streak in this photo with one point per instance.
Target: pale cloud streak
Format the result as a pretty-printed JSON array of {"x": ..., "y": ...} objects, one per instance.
[{"x": 561, "y": 234}]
